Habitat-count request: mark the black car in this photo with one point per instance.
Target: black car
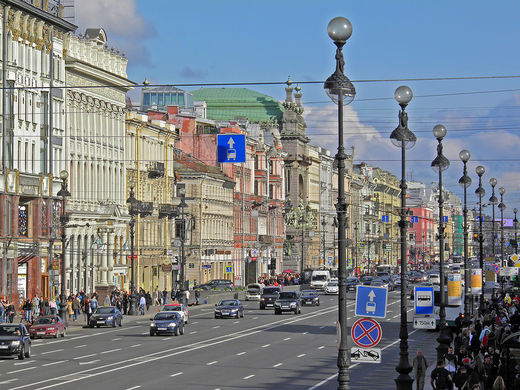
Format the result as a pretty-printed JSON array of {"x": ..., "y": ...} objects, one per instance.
[
  {"x": 167, "y": 322},
  {"x": 217, "y": 284},
  {"x": 310, "y": 297},
  {"x": 269, "y": 295},
  {"x": 106, "y": 316},
  {"x": 229, "y": 308},
  {"x": 288, "y": 301},
  {"x": 352, "y": 282},
  {"x": 15, "y": 340}
]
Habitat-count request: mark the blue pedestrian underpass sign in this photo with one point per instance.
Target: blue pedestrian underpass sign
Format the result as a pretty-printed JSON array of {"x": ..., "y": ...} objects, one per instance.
[
  {"x": 423, "y": 299},
  {"x": 371, "y": 301},
  {"x": 231, "y": 148}
]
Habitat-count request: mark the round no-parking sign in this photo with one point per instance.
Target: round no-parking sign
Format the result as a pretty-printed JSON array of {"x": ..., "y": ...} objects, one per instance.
[{"x": 366, "y": 333}]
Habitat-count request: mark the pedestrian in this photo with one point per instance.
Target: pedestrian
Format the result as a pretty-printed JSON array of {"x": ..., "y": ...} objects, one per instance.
[
  {"x": 440, "y": 377},
  {"x": 53, "y": 308},
  {"x": 499, "y": 384},
  {"x": 70, "y": 310},
  {"x": 420, "y": 366},
  {"x": 2, "y": 312},
  {"x": 94, "y": 303},
  {"x": 187, "y": 297},
  {"x": 106, "y": 301},
  {"x": 76, "y": 306},
  {"x": 197, "y": 296},
  {"x": 142, "y": 304}
]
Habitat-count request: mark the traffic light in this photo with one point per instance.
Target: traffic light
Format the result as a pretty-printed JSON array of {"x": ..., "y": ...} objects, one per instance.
[
  {"x": 273, "y": 263},
  {"x": 475, "y": 236}
]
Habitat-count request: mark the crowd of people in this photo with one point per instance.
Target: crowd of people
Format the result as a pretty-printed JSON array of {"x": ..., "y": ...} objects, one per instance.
[
  {"x": 285, "y": 279},
  {"x": 477, "y": 357}
]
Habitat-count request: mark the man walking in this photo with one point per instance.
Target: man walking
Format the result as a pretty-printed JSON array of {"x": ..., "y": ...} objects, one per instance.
[
  {"x": 440, "y": 377},
  {"x": 419, "y": 369}
]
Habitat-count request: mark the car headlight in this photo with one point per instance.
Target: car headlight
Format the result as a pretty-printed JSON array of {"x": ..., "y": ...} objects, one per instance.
[
  {"x": 233, "y": 310},
  {"x": 315, "y": 299},
  {"x": 293, "y": 304},
  {"x": 110, "y": 318},
  {"x": 15, "y": 343},
  {"x": 217, "y": 310},
  {"x": 262, "y": 299},
  {"x": 153, "y": 325},
  {"x": 172, "y": 324}
]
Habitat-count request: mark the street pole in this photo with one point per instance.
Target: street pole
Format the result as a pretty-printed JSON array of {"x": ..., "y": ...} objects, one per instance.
[
  {"x": 133, "y": 209},
  {"x": 515, "y": 210},
  {"x": 480, "y": 191},
  {"x": 302, "y": 221},
  {"x": 465, "y": 182},
  {"x": 493, "y": 200},
  {"x": 341, "y": 91},
  {"x": 405, "y": 139},
  {"x": 63, "y": 193},
  {"x": 502, "y": 207},
  {"x": 439, "y": 164}
]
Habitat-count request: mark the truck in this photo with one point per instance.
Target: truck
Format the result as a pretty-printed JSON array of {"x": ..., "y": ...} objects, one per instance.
[{"x": 319, "y": 279}]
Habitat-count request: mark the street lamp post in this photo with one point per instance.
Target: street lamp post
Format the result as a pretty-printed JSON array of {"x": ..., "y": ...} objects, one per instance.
[
  {"x": 515, "y": 221},
  {"x": 405, "y": 139},
  {"x": 181, "y": 191},
  {"x": 323, "y": 226},
  {"x": 133, "y": 210},
  {"x": 493, "y": 201},
  {"x": 440, "y": 164},
  {"x": 502, "y": 207},
  {"x": 63, "y": 193},
  {"x": 481, "y": 192},
  {"x": 465, "y": 182},
  {"x": 341, "y": 91}
]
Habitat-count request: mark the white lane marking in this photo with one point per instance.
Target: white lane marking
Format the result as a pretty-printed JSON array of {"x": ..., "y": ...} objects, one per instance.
[
  {"x": 23, "y": 369},
  {"x": 111, "y": 350},
  {"x": 241, "y": 353},
  {"x": 84, "y": 336},
  {"x": 397, "y": 315},
  {"x": 85, "y": 356},
  {"x": 20, "y": 364},
  {"x": 160, "y": 355},
  {"x": 301, "y": 355},
  {"x": 8, "y": 381},
  {"x": 277, "y": 364},
  {"x": 287, "y": 338},
  {"x": 236, "y": 322},
  {"x": 255, "y": 318},
  {"x": 80, "y": 346},
  {"x": 56, "y": 350},
  {"x": 305, "y": 332},
  {"x": 91, "y": 362},
  {"x": 179, "y": 373},
  {"x": 135, "y": 345},
  {"x": 166, "y": 338},
  {"x": 321, "y": 347},
  {"x": 144, "y": 333},
  {"x": 215, "y": 327},
  {"x": 211, "y": 363},
  {"x": 249, "y": 376},
  {"x": 193, "y": 332},
  {"x": 53, "y": 363},
  {"x": 196, "y": 322},
  {"x": 133, "y": 388},
  {"x": 266, "y": 345},
  {"x": 117, "y": 338}
]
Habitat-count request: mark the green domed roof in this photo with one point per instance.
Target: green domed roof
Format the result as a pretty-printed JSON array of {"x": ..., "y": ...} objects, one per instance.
[{"x": 237, "y": 103}]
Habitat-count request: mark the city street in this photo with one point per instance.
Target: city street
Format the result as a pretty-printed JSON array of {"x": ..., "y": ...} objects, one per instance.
[{"x": 260, "y": 351}]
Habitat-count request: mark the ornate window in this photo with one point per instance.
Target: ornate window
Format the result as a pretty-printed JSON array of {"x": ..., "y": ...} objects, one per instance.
[{"x": 23, "y": 221}]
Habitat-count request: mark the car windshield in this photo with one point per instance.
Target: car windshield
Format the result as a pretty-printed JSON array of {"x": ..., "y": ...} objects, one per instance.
[
  {"x": 172, "y": 308},
  {"x": 228, "y": 302},
  {"x": 253, "y": 287},
  {"x": 333, "y": 284},
  {"x": 9, "y": 331},
  {"x": 351, "y": 279},
  {"x": 105, "y": 310},
  {"x": 166, "y": 316},
  {"x": 45, "y": 321},
  {"x": 309, "y": 293},
  {"x": 271, "y": 290},
  {"x": 287, "y": 295},
  {"x": 319, "y": 277}
]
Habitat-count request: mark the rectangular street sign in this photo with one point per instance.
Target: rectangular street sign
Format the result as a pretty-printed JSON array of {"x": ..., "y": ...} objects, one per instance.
[
  {"x": 206, "y": 266},
  {"x": 385, "y": 218},
  {"x": 229, "y": 270},
  {"x": 231, "y": 148},
  {"x": 365, "y": 355},
  {"x": 371, "y": 301},
  {"x": 424, "y": 323},
  {"x": 508, "y": 271},
  {"x": 423, "y": 299}
]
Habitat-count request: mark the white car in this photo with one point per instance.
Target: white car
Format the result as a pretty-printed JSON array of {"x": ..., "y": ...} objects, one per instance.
[
  {"x": 332, "y": 288},
  {"x": 254, "y": 291},
  {"x": 434, "y": 278}
]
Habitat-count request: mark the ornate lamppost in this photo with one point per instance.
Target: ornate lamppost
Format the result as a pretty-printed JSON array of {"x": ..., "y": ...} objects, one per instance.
[
  {"x": 465, "y": 182},
  {"x": 493, "y": 201},
  {"x": 405, "y": 139},
  {"x": 440, "y": 164},
  {"x": 181, "y": 191},
  {"x": 133, "y": 210},
  {"x": 502, "y": 207},
  {"x": 63, "y": 193},
  {"x": 341, "y": 91},
  {"x": 515, "y": 221},
  {"x": 481, "y": 192}
]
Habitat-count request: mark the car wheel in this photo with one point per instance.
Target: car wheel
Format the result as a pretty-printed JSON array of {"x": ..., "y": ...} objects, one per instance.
[
  {"x": 176, "y": 331},
  {"x": 318, "y": 303},
  {"x": 56, "y": 334},
  {"x": 152, "y": 333},
  {"x": 63, "y": 333},
  {"x": 216, "y": 316},
  {"x": 114, "y": 323},
  {"x": 277, "y": 312},
  {"x": 97, "y": 326},
  {"x": 120, "y": 322},
  {"x": 242, "y": 314},
  {"x": 182, "y": 330},
  {"x": 295, "y": 311},
  {"x": 28, "y": 351},
  {"x": 262, "y": 307},
  {"x": 21, "y": 355}
]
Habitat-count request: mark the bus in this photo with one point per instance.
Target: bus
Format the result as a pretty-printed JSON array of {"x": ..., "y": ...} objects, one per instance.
[{"x": 384, "y": 269}]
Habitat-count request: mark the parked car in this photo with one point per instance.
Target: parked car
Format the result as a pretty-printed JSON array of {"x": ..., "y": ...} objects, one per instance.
[
  {"x": 47, "y": 326},
  {"x": 106, "y": 316},
  {"x": 288, "y": 301},
  {"x": 332, "y": 288},
  {"x": 178, "y": 307},
  {"x": 217, "y": 283},
  {"x": 229, "y": 308},
  {"x": 167, "y": 322},
  {"x": 15, "y": 340},
  {"x": 310, "y": 297},
  {"x": 269, "y": 295},
  {"x": 254, "y": 291}
]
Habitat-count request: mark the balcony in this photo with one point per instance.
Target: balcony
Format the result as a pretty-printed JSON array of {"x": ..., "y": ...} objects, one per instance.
[
  {"x": 146, "y": 208},
  {"x": 167, "y": 210},
  {"x": 155, "y": 169}
]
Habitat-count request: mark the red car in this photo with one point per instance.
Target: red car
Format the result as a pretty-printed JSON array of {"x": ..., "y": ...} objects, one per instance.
[{"x": 47, "y": 326}]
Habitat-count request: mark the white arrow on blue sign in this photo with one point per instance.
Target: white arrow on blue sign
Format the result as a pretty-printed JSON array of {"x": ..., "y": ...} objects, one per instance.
[
  {"x": 371, "y": 301},
  {"x": 231, "y": 148}
]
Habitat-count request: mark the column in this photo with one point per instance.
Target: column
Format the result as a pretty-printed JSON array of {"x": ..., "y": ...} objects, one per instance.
[
  {"x": 104, "y": 257},
  {"x": 79, "y": 255},
  {"x": 110, "y": 259},
  {"x": 70, "y": 262}
]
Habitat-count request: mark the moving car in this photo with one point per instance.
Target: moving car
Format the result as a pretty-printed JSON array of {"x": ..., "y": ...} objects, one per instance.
[
  {"x": 47, "y": 326},
  {"x": 379, "y": 282},
  {"x": 319, "y": 279},
  {"x": 254, "y": 291},
  {"x": 434, "y": 278},
  {"x": 178, "y": 307},
  {"x": 229, "y": 308},
  {"x": 352, "y": 282},
  {"x": 15, "y": 340},
  {"x": 217, "y": 284},
  {"x": 310, "y": 297},
  {"x": 332, "y": 288},
  {"x": 269, "y": 295},
  {"x": 167, "y": 322},
  {"x": 106, "y": 316},
  {"x": 288, "y": 301}
]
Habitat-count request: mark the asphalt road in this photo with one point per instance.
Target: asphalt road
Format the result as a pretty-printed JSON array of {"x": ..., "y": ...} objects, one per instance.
[{"x": 260, "y": 351}]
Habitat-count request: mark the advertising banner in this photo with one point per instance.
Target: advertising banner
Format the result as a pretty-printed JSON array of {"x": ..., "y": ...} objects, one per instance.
[
  {"x": 454, "y": 289},
  {"x": 476, "y": 281}
]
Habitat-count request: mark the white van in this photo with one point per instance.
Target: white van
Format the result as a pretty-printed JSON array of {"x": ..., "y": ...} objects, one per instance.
[{"x": 319, "y": 279}]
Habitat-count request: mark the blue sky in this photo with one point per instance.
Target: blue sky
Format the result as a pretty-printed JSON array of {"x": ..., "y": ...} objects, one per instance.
[{"x": 211, "y": 41}]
